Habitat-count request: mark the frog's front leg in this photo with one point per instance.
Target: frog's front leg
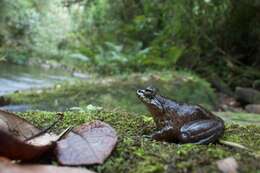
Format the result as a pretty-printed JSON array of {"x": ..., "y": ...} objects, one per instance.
[
  {"x": 165, "y": 134},
  {"x": 201, "y": 131}
]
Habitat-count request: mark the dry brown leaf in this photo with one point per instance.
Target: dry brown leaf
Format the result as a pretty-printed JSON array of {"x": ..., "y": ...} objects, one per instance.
[
  {"x": 17, "y": 126},
  {"x": 19, "y": 150},
  {"x": 228, "y": 165},
  {"x": 6, "y": 167},
  {"x": 13, "y": 133},
  {"x": 91, "y": 143}
]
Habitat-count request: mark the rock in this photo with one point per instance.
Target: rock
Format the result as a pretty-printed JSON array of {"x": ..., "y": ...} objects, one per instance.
[
  {"x": 228, "y": 165},
  {"x": 253, "y": 108},
  {"x": 227, "y": 100},
  {"x": 227, "y": 103},
  {"x": 248, "y": 95}
]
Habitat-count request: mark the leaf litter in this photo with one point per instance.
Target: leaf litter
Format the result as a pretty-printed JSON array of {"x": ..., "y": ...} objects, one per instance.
[{"x": 90, "y": 143}]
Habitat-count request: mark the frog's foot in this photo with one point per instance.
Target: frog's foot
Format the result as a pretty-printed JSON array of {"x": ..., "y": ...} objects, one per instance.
[
  {"x": 201, "y": 131},
  {"x": 147, "y": 136}
]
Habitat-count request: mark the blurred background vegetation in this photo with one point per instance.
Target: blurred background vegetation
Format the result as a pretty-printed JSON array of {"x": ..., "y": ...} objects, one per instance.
[
  {"x": 88, "y": 57},
  {"x": 215, "y": 39}
]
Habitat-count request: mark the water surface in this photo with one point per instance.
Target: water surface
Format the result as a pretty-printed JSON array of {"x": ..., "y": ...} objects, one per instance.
[{"x": 17, "y": 78}]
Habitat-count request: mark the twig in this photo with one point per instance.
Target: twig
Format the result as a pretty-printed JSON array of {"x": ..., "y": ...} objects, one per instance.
[
  {"x": 61, "y": 115},
  {"x": 64, "y": 133},
  {"x": 251, "y": 152},
  {"x": 233, "y": 144}
]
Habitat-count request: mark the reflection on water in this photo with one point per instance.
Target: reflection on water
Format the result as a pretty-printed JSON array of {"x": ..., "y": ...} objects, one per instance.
[
  {"x": 16, "y": 108},
  {"x": 14, "y": 78}
]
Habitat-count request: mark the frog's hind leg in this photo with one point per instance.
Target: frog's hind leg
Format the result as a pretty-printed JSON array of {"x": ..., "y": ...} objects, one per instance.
[
  {"x": 165, "y": 134},
  {"x": 201, "y": 131}
]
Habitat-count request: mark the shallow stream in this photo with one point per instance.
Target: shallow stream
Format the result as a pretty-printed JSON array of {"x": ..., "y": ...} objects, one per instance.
[{"x": 14, "y": 78}]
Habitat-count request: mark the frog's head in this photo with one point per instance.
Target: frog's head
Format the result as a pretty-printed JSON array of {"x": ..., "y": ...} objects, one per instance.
[{"x": 151, "y": 98}]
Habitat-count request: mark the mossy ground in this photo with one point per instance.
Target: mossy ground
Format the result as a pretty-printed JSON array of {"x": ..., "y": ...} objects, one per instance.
[
  {"x": 137, "y": 154},
  {"x": 122, "y": 110}
]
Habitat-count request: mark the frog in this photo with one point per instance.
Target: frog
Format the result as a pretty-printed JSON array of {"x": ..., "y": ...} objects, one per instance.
[{"x": 180, "y": 122}]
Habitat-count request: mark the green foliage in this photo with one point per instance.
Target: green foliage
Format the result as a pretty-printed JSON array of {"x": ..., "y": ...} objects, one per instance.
[
  {"x": 206, "y": 35},
  {"x": 17, "y": 56},
  {"x": 14, "y": 29},
  {"x": 154, "y": 33},
  {"x": 28, "y": 29},
  {"x": 209, "y": 36}
]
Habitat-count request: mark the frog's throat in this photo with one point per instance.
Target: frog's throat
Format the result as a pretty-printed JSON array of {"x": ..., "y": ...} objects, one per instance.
[{"x": 163, "y": 109}]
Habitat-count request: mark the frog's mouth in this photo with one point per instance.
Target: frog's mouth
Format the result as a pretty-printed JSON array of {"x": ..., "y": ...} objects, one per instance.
[{"x": 144, "y": 97}]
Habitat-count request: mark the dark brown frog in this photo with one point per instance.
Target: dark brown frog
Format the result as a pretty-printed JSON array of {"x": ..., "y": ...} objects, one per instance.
[{"x": 181, "y": 122}]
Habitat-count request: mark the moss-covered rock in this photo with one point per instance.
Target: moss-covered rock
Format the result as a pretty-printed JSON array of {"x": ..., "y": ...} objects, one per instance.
[{"x": 137, "y": 154}]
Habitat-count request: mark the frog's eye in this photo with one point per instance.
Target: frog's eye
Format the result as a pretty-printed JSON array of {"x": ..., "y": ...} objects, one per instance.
[
  {"x": 150, "y": 92},
  {"x": 151, "y": 89}
]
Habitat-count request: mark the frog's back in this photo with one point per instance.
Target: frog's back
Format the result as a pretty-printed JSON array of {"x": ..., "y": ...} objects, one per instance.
[{"x": 187, "y": 112}]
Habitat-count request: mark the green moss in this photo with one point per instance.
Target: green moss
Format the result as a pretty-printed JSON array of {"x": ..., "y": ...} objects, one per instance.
[
  {"x": 149, "y": 167},
  {"x": 135, "y": 153},
  {"x": 119, "y": 92}
]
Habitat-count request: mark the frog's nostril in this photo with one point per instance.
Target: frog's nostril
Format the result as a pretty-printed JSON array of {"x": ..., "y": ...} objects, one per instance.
[{"x": 140, "y": 93}]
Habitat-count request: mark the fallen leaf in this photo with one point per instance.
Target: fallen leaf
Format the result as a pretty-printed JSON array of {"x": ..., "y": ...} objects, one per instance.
[
  {"x": 16, "y": 149},
  {"x": 44, "y": 139},
  {"x": 91, "y": 143},
  {"x": 17, "y": 126},
  {"x": 14, "y": 132},
  {"x": 228, "y": 165},
  {"x": 8, "y": 167}
]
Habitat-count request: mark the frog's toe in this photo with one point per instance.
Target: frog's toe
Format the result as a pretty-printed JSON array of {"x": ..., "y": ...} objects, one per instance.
[
  {"x": 201, "y": 132},
  {"x": 147, "y": 136}
]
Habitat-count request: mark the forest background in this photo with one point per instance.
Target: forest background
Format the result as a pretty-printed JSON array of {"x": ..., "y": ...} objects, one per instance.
[{"x": 215, "y": 39}]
